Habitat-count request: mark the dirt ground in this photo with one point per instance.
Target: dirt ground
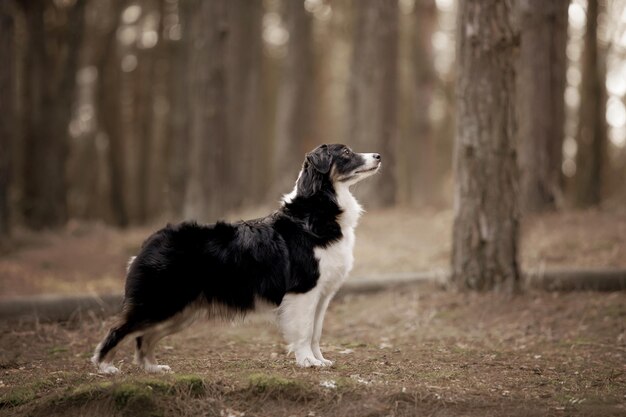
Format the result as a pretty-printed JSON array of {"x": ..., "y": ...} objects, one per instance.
[
  {"x": 90, "y": 258},
  {"x": 417, "y": 351}
]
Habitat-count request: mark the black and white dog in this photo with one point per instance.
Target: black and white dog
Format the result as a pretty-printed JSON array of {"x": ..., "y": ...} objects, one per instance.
[{"x": 296, "y": 258}]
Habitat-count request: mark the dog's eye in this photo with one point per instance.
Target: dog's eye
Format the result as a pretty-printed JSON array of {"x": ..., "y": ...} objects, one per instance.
[{"x": 346, "y": 152}]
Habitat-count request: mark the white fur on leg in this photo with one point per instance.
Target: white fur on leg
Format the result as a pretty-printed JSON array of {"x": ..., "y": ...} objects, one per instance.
[
  {"x": 317, "y": 333},
  {"x": 297, "y": 321}
]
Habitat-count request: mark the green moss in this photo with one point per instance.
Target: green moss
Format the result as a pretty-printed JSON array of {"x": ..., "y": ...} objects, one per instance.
[
  {"x": 17, "y": 396},
  {"x": 192, "y": 384},
  {"x": 57, "y": 349},
  {"x": 277, "y": 387}
]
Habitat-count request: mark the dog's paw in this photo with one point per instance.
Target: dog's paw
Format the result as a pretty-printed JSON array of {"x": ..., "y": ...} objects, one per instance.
[
  {"x": 157, "y": 369},
  {"x": 107, "y": 368},
  {"x": 326, "y": 362},
  {"x": 308, "y": 361}
]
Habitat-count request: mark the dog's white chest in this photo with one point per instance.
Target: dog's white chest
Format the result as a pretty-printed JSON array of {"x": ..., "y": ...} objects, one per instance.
[{"x": 336, "y": 260}]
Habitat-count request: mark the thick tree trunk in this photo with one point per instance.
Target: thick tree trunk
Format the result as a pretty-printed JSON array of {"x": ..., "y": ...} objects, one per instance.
[
  {"x": 486, "y": 220},
  {"x": 373, "y": 94},
  {"x": 541, "y": 85},
  {"x": 7, "y": 113},
  {"x": 208, "y": 159},
  {"x": 295, "y": 114},
  {"x": 51, "y": 67},
  {"x": 592, "y": 131}
]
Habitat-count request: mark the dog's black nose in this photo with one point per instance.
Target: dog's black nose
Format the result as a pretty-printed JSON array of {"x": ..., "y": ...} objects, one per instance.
[{"x": 376, "y": 156}]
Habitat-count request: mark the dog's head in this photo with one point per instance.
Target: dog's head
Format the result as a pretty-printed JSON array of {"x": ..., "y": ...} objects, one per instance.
[{"x": 335, "y": 164}]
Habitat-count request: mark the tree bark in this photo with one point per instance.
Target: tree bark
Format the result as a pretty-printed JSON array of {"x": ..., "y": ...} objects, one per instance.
[
  {"x": 246, "y": 110},
  {"x": 295, "y": 114},
  {"x": 592, "y": 131},
  {"x": 7, "y": 113},
  {"x": 178, "y": 85},
  {"x": 51, "y": 66},
  {"x": 373, "y": 94},
  {"x": 486, "y": 220},
  {"x": 416, "y": 159},
  {"x": 541, "y": 83},
  {"x": 208, "y": 159},
  {"x": 108, "y": 105}
]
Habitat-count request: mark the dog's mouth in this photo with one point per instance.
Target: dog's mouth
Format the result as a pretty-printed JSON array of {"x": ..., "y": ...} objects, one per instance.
[{"x": 361, "y": 171}]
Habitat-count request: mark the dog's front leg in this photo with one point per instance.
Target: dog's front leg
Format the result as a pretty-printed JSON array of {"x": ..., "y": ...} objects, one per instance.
[
  {"x": 297, "y": 322},
  {"x": 319, "y": 324}
]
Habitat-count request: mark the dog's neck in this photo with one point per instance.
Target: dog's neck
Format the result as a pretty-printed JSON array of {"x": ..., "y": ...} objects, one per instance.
[{"x": 350, "y": 207}]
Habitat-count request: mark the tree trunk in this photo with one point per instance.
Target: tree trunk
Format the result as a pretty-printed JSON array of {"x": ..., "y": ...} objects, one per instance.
[
  {"x": 178, "y": 129},
  {"x": 295, "y": 114},
  {"x": 245, "y": 76},
  {"x": 592, "y": 131},
  {"x": 51, "y": 66},
  {"x": 373, "y": 94},
  {"x": 486, "y": 220},
  {"x": 416, "y": 157},
  {"x": 208, "y": 159},
  {"x": 541, "y": 85},
  {"x": 7, "y": 113},
  {"x": 108, "y": 105}
]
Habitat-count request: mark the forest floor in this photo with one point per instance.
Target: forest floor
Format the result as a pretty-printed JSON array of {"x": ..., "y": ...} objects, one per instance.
[
  {"x": 90, "y": 258},
  {"x": 415, "y": 351},
  {"x": 420, "y": 351}
]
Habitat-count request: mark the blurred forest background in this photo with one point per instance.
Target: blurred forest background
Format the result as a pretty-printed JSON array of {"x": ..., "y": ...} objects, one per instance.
[{"x": 136, "y": 111}]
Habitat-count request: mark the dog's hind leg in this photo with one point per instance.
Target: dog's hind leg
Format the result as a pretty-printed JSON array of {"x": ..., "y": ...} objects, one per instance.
[
  {"x": 103, "y": 356},
  {"x": 144, "y": 354},
  {"x": 297, "y": 322}
]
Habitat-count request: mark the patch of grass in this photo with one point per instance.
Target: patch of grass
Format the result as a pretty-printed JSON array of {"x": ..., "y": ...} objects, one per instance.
[
  {"x": 57, "y": 349},
  {"x": 18, "y": 396},
  {"x": 191, "y": 384},
  {"x": 278, "y": 387}
]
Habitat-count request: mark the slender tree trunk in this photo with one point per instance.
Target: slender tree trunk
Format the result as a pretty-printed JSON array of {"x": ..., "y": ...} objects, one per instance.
[
  {"x": 592, "y": 131},
  {"x": 295, "y": 113},
  {"x": 178, "y": 85},
  {"x": 7, "y": 113},
  {"x": 51, "y": 67},
  {"x": 246, "y": 110},
  {"x": 416, "y": 157},
  {"x": 373, "y": 94},
  {"x": 208, "y": 159},
  {"x": 109, "y": 78},
  {"x": 486, "y": 220},
  {"x": 541, "y": 85}
]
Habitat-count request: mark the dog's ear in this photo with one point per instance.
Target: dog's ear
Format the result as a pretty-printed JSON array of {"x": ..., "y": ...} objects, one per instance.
[
  {"x": 316, "y": 166},
  {"x": 319, "y": 158}
]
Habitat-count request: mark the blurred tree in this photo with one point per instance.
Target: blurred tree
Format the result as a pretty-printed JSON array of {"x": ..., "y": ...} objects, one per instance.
[
  {"x": 295, "y": 113},
  {"x": 416, "y": 159},
  {"x": 592, "y": 131},
  {"x": 245, "y": 71},
  {"x": 207, "y": 183},
  {"x": 179, "y": 43},
  {"x": 7, "y": 112},
  {"x": 486, "y": 220},
  {"x": 54, "y": 38},
  {"x": 541, "y": 85},
  {"x": 108, "y": 105},
  {"x": 373, "y": 93}
]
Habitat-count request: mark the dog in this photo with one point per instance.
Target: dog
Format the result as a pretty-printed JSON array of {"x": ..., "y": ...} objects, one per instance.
[{"x": 296, "y": 259}]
